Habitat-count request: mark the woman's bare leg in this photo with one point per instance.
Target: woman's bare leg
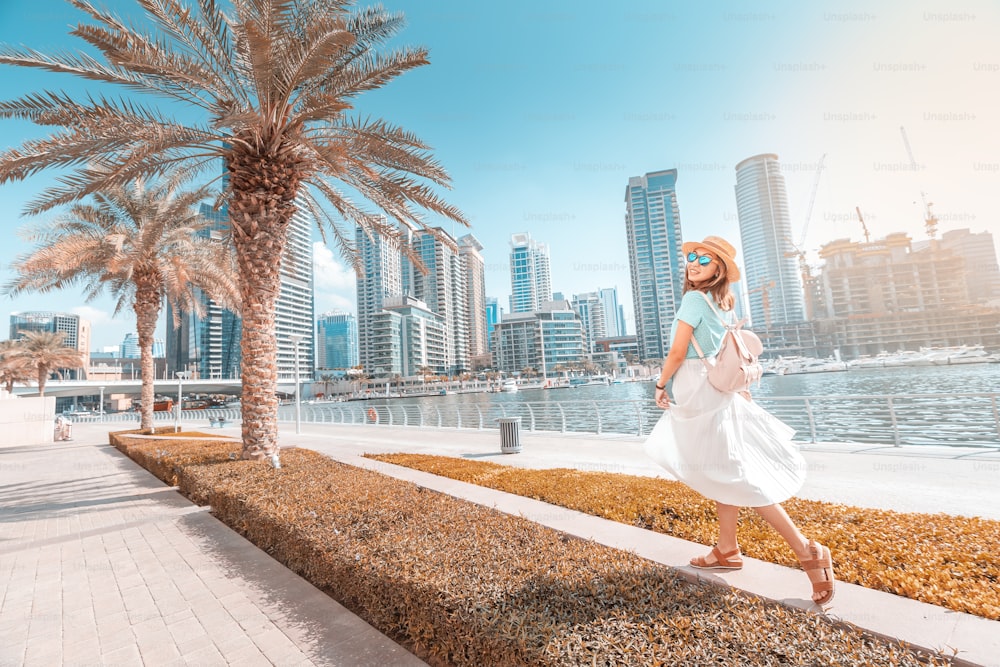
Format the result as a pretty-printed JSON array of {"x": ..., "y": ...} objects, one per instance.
[
  {"x": 728, "y": 518},
  {"x": 781, "y": 522},
  {"x": 726, "y": 544}
]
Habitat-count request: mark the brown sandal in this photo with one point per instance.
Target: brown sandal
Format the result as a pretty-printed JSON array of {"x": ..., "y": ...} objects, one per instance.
[
  {"x": 821, "y": 562},
  {"x": 729, "y": 561}
]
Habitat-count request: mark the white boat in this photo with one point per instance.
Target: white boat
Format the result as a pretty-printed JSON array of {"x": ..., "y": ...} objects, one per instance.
[
  {"x": 927, "y": 356},
  {"x": 509, "y": 386},
  {"x": 797, "y": 365},
  {"x": 965, "y": 354},
  {"x": 772, "y": 367},
  {"x": 885, "y": 360}
]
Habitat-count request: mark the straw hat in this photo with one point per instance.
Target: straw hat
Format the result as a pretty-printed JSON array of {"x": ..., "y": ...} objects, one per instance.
[{"x": 722, "y": 248}]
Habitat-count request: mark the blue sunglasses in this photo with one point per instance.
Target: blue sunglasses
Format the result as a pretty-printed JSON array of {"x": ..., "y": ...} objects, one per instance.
[{"x": 704, "y": 260}]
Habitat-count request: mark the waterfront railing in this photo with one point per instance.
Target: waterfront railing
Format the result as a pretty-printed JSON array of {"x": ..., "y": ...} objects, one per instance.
[{"x": 970, "y": 420}]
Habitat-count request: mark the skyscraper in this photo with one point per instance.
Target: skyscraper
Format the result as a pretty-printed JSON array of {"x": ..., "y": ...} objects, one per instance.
[
  {"x": 382, "y": 277},
  {"x": 295, "y": 313},
  {"x": 470, "y": 249},
  {"x": 653, "y": 227},
  {"x": 336, "y": 341},
  {"x": 772, "y": 273},
  {"x": 614, "y": 314},
  {"x": 442, "y": 287},
  {"x": 493, "y": 315},
  {"x": 530, "y": 277}
]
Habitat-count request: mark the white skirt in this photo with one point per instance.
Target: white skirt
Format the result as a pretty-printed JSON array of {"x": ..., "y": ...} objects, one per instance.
[{"x": 723, "y": 446}]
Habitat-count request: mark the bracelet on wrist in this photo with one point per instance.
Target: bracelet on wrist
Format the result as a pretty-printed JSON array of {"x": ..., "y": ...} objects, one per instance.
[{"x": 659, "y": 387}]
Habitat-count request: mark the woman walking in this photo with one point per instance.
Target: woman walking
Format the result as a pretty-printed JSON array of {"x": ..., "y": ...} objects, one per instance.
[{"x": 721, "y": 444}]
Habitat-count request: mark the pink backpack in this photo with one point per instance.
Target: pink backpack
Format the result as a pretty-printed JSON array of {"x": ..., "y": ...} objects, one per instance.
[{"x": 736, "y": 366}]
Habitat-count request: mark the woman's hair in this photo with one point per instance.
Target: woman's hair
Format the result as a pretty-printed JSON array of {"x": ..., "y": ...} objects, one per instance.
[{"x": 718, "y": 287}]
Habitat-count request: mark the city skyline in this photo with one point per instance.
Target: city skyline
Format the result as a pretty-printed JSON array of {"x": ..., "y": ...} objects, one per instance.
[{"x": 542, "y": 139}]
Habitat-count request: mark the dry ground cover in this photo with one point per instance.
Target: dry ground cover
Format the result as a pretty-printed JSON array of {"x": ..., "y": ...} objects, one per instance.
[
  {"x": 943, "y": 560},
  {"x": 461, "y": 584}
]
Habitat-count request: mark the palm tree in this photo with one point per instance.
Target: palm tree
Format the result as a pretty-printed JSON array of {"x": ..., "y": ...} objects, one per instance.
[
  {"x": 45, "y": 353},
  {"x": 141, "y": 243},
  {"x": 275, "y": 81},
  {"x": 14, "y": 367},
  {"x": 326, "y": 379},
  {"x": 358, "y": 375}
]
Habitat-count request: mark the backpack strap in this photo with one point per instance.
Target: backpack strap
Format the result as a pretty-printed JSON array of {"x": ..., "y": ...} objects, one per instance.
[
  {"x": 711, "y": 304},
  {"x": 734, "y": 326},
  {"x": 694, "y": 341}
]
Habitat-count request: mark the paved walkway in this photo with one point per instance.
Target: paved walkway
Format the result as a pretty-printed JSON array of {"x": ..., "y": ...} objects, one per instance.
[{"x": 102, "y": 564}]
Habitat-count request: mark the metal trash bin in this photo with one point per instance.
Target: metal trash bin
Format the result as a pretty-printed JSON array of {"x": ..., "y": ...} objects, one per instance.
[{"x": 510, "y": 435}]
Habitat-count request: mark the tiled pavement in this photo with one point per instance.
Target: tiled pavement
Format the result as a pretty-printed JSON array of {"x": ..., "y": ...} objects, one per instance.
[{"x": 102, "y": 564}]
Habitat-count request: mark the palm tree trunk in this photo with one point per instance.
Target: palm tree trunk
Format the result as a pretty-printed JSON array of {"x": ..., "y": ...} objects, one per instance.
[
  {"x": 147, "y": 311},
  {"x": 260, "y": 209}
]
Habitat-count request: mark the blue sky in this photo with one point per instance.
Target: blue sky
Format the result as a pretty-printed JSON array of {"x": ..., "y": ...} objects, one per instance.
[{"x": 542, "y": 111}]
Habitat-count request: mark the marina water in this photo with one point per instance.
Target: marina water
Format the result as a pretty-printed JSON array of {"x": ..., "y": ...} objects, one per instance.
[
  {"x": 951, "y": 405},
  {"x": 962, "y": 379}
]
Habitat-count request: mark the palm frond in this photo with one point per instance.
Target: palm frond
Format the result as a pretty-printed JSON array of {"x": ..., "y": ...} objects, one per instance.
[
  {"x": 370, "y": 71},
  {"x": 206, "y": 37}
]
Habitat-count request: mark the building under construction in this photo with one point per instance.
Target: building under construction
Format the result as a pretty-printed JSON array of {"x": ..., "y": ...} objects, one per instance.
[{"x": 884, "y": 295}]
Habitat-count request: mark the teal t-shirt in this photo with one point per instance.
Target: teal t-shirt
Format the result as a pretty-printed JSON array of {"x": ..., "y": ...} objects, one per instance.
[{"x": 707, "y": 328}]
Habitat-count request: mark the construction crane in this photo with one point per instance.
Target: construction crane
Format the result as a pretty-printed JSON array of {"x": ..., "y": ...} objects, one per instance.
[
  {"x": 930, "y": 220},
  {"x": 765, "y": 300},
  {"x": 796, "y": 248},
  {"x": 812, "y": 200},
  {"x": 864, "y": 227}
]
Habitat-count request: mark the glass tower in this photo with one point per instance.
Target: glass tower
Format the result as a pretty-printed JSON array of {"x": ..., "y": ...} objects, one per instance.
[
  {"x": 337, "y": 341},
  {"x": 772, "y": 277},
  {"x": 614, "y": 314},
  {"x": 653, "y": 227},
  {"x": 493, "y": 314}
]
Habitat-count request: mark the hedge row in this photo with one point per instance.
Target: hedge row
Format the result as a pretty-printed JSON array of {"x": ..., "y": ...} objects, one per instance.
[{"x": 461, "y": 584}]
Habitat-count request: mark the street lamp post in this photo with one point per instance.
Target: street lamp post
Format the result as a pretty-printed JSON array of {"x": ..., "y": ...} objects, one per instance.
[
  {"x": 296, "y": 339},
  {"x": 100, "y": 406},
  {"x": 181, "y": 376}
]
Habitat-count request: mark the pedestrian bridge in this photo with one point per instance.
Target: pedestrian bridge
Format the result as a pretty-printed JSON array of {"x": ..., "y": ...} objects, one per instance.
[{"x": 166, "y": 387}]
